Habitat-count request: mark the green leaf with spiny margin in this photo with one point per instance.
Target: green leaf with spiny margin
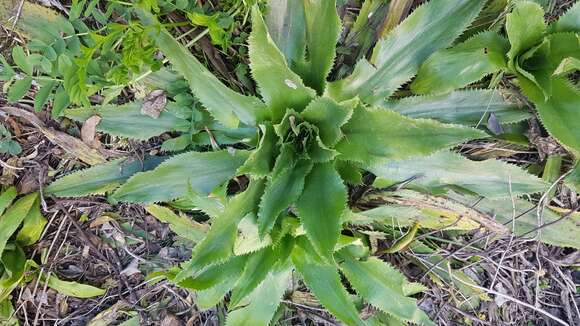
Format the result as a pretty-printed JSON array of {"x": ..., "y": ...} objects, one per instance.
[
  {"x": 568, "y": 22},
  {"x": 172, "y": 178},
  {"x": 323, "y": 280},
  {"x": 260, "y": 306},
  {"x": 564, "y": 233},
  {"x": 463, "y": 64},
  {"x": 567, "y": 65},
  {"x": 525, "y": 27},
  {"x": 215, "y": 274},
  {"x": 283, "y": 188},
  {"x": 180, "y": 224},
  {"x": 382, "y": 285},
  {"x": 347, "y": 88},
  {"x": 489, "y": 178},
  {"x": 320, "y": 207},
  {"x": 286, "y": 25},
  {"x": 208, "y": 298},
  {"x": 280, "y": 87},
  {"x": 227, "y": 106},
  {"x": 328, "y": 116},
  {"x": 256, "y": 270},
  {"x": 559, "y": 113},
  {"x": 100, "y": 179},
  {"x": 539, "y": 63},
  {"x": 322, "y": 31},
  {"x": 372, "y": 134},
  {"x": 11, "y": 219},
  {"x": 262, "y": 159},
  {"x": 249, "y": 239},
  {"x": 468, "y": 107},
  {"x": 218, "y": 245},
  {"x": 430, "y": 27},
  {"x": 127, "y": 120}
]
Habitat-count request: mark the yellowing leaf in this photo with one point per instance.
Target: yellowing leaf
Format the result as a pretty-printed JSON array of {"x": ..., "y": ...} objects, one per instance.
[{"x": 74, "y": 289}]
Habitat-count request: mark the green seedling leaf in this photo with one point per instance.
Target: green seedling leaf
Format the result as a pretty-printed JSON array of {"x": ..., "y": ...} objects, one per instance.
[
  {"x": 181, "y": 225},
  {"x": 21, "y": 60},
  {"x": 74, "y": 289},
  {"x": 467, "y": 107},
  {"x": 373, "y": 134},
  {"x": 18, "y": 89},
  {"x": 200, "y": 171},
  {"x": 494, "y": 179},
  {"x": 32, "y": 226},
  {"x": 13, "y": 263},
  {"x": 100, "y": 179},
  {"x": 7, "y": 316},
  {"x": 463, "y": 64},
  {"x": 6, "y": 198},
  {"x": 13, "y": 217},
  {"x": 43, "y": 93},
  {"x": 7, "y": 70}
]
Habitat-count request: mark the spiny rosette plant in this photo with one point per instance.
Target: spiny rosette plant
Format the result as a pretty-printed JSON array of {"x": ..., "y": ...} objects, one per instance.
[{"x": 313, "y": 138}]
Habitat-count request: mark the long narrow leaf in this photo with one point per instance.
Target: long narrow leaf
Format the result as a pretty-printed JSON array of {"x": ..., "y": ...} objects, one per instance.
[
  {"x": 468, "y": 107},
  {"x": 173, "y": 178},
  {"x": 430, "y": 27},
  {"x": 227, "y": 106}
]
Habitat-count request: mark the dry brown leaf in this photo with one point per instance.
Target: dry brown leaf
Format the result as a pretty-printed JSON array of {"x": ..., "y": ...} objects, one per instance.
[
  {"x": 89, "y": 131},
  {"x": 154, "y": 104}
]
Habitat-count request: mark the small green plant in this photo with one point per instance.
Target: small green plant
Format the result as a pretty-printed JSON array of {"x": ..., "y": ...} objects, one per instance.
[
  {"x": 290, "y": 208},
  {"x": 13, "y": 262},
  {"x": 539, "y": 55},
  {"x": 21, "y": 225},
  {"x": 7, "y": 145}
]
